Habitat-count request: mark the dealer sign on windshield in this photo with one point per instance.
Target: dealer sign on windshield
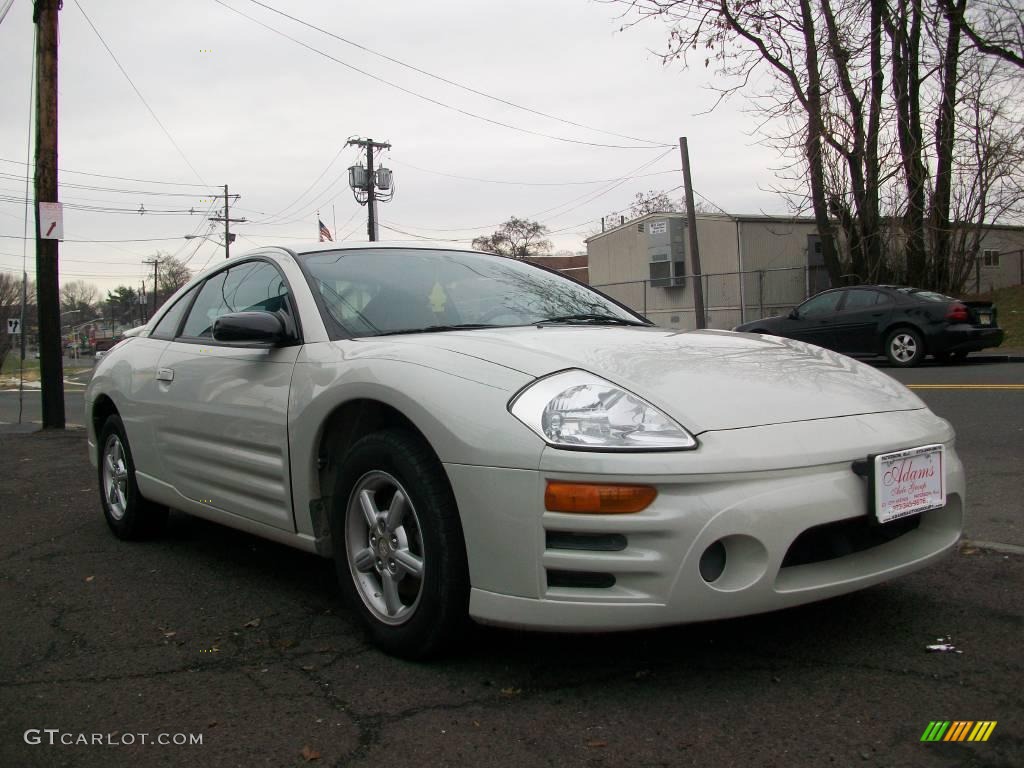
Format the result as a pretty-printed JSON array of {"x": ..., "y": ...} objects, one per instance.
[{"x": 909, "y": 482}]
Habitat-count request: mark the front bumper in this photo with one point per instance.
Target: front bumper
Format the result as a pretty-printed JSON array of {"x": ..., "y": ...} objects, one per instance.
[{"x": 781, "y": 530}]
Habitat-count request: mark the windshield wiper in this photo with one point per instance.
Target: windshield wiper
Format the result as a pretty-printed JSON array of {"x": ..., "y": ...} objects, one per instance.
[
  {"x": 438, "y": 328},
  {"x": 592, "y": 318}
]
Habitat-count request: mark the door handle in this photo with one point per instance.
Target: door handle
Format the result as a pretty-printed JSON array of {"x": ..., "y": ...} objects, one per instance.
[{"x": 165, "y": 374}]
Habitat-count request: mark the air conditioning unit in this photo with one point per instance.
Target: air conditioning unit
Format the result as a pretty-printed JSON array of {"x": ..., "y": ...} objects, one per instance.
[{"x": 666, "y": 251}]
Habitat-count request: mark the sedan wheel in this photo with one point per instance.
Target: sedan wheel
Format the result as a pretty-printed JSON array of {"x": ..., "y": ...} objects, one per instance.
[
  {"x": 398, "y": 545},
  {"x": 128, "y": 513},
  {"x": 904, "y": 347}
]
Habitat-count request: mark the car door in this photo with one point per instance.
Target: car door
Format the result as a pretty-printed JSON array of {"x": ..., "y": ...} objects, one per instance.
[
  {"x": 814, "y": 319},
  {"x": 223, "y": 413},
  {"x": 862, "y": 316}
]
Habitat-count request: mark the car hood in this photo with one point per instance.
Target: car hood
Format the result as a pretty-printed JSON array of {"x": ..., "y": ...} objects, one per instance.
[{"x": 707, "y": 380}]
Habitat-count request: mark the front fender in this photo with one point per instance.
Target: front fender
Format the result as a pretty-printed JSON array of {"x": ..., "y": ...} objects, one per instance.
[{"x": 459, "y": 404}]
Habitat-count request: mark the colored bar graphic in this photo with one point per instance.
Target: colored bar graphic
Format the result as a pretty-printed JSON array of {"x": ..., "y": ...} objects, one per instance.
[{"x": 958, "y": 730}]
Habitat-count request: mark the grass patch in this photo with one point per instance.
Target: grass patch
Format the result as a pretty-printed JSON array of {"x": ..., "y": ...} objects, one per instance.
[
  {"x": 12, "y": 361},
  {"x": 1010, "y": 307}
]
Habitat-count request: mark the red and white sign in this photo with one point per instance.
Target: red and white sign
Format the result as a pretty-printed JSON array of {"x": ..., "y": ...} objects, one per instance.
[
  {"x": 51, "y": 221},
  {"x": 909, "y": 482}
]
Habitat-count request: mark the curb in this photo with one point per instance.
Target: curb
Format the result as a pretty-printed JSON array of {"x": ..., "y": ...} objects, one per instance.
[
  {"x": 993, "y": 546},
  {"x": 1009, "y": 357}
]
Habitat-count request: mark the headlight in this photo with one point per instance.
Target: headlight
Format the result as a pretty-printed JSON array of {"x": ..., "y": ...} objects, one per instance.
[{"x": 576, "y": 409}]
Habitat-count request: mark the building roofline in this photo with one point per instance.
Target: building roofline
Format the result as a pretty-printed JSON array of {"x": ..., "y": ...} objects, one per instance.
[{"x": 766, "y": 218}]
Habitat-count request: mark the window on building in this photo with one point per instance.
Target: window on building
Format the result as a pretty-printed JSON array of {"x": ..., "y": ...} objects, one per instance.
[
  {"x": 640, "y": 227},
  {"x": 990, "y": 258}
]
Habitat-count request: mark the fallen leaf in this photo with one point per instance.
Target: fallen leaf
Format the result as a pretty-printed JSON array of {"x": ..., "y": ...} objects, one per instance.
[
  {"x": 212, "y": 724},
  {"x": 511, "y": 691},
  {"x": 308, "y": 667},
  {"x": 309, "y": 754},
  {"x": 254, "y": 623},
  {"x": 89, "y": 578},
  {"x": 968, "y": 550},
  {"x": 597, "y": 743},
  {"x": 170, "y": 634}
]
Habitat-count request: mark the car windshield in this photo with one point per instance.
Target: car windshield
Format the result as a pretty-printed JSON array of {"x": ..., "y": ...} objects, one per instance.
[{"x": 373, "y": 292}]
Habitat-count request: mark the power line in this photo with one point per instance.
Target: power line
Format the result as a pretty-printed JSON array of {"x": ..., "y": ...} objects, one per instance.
[
  {"x": 591, "y": 196},
  {"x": 436, "y": 102},
  {"x": 453, "y": 83},
  {"x": 118, "y": 178},
  {"x": 528, "y": 183},
  {"x": 140, "y": 211},
  {"x": 139, "y": 94},
  {"x": 129, "y": 240},
  {"x": 118, "y": 190},
  {"x": 292, "y": 204}
]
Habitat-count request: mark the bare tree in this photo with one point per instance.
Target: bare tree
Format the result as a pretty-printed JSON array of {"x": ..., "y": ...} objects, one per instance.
[
  {"x": 653, "y": 202},
  {"x": 994, "y": 27},
  {"x": 173, "y": 274},
  {"x": 863, "y": 99},
  {"x": 517, "y": 238},
  {"x": 79, "y": 296}
]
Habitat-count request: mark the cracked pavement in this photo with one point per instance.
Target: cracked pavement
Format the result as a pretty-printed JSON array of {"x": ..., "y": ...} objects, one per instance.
[{"x": 212, "y": 631}]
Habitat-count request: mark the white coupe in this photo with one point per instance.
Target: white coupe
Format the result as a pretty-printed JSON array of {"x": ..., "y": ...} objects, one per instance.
[{"x": 473, "y": 436}]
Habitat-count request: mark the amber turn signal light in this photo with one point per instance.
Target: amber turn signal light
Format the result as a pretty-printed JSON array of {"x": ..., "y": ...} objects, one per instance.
[{"x": 597, "y": 498}]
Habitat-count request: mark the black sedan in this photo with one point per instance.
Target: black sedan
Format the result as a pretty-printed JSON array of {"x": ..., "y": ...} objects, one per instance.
[{"x": 904, "y": 324}]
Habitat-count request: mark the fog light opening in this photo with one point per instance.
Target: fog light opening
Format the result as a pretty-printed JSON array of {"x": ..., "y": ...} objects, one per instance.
[{"x": 712, "y": 562}]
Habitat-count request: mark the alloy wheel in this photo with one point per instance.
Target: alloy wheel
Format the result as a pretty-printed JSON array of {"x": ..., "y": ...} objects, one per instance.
[
  {"x": 115, "y": 477},
  {"x": 903, "y": 347},
  {"x": 384, "y": 547}
]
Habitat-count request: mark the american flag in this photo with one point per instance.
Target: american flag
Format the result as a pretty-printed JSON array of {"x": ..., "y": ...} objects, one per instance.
[{"x": 325, "y": 233}]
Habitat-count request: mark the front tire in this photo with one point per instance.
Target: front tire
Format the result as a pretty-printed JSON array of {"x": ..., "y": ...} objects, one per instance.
[
  {"x": 128, "y": 513},
  {"x": 399, "y": 550},
  {"x": 904, "y": 347}
]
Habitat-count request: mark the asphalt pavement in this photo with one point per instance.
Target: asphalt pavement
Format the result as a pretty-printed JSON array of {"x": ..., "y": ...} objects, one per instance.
[{"x": 212, "y": 634}]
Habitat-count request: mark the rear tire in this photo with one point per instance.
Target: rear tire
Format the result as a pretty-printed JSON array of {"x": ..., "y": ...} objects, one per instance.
[
  {"x": 398, "y": 545},
  {"x": 129, "y": 514},
  {"x": 904, "y": 347}
]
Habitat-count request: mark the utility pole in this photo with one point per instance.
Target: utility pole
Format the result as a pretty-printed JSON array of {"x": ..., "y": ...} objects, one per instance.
[
  {"x": 691, "y": 225},
  {"x": 51, "y": 364},
  {"x": 155, "y": 261},
  {"x": 226, "y": 218},
  {"x": 371, "y": 183}
]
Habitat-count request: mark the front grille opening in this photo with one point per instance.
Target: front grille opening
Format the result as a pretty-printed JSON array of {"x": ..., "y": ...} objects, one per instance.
[
  {"x": 590, "y": 542},
  {"x": 844, "y": 537},
  {"x": 580, "y": 579}
]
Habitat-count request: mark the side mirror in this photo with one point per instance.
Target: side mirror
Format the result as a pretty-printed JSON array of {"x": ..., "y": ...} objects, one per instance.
[
  {"x": 794, "y": 314},
  {"x": 257, "y": 328}
]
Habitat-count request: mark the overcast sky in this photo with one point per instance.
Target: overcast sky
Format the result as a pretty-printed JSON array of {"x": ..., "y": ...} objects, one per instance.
[{"x": 257, "y": 111}]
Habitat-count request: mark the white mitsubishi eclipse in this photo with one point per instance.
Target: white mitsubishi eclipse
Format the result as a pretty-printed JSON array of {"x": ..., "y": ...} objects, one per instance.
[{"x": 473, "y": 436}]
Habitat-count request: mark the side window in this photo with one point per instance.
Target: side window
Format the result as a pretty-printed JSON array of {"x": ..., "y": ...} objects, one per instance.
[
  {"x": 253, "y": 286},
  {"x": 823, "y": 304},
  {"x": 860, "y": 299},
  {"x": 168, "y": 326}
]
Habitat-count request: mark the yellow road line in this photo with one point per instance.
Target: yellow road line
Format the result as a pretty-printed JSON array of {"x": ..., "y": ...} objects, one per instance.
[{"x": 966, "y": 386}]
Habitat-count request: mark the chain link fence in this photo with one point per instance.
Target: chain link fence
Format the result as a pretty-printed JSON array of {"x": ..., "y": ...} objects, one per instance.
[{"x": 730, "y": 298}]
